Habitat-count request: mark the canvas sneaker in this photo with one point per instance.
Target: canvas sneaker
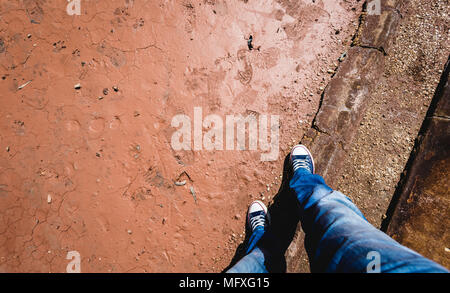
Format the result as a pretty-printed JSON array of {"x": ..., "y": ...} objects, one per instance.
[
  {"x": 301, "y": 158},
  {"x": 257, "y": 216}
]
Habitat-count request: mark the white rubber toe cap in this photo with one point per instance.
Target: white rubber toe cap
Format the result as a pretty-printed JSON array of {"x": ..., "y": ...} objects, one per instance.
[{"x": 257, "y": 206}]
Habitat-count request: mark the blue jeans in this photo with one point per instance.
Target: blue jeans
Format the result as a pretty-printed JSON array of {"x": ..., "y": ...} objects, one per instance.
[{"x": 338, "y": 237}]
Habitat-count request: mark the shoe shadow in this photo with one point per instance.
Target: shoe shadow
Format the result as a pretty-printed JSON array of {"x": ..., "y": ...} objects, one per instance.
[{"x": 284, "y": 220}]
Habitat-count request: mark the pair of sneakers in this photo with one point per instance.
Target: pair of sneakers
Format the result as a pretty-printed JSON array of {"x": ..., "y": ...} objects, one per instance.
[{"x": 300, "y": 158}]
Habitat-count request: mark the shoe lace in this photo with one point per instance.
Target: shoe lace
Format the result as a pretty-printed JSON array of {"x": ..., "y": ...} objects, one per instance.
[
  {"x": 258, "y": 220},
  {"x": 302, "y": 163}
]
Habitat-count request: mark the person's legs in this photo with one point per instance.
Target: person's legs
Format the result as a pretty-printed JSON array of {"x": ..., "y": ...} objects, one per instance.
[
  {"x": 262, "y": 252},
  {"x": 338, "y": 237},
  {"x": 251, "y": 263}
]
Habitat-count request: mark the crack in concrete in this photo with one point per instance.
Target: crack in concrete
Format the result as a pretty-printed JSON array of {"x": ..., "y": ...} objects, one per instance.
[
  {"x": 440, "y": 117},
  {"x": 379, "y": 49},
  {"x": 356, "y": 42}
]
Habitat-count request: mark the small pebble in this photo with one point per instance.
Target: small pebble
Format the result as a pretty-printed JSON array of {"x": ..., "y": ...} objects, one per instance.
[
  {"x": 180, "y": 183},
  {"x": 24, "y": 85}
]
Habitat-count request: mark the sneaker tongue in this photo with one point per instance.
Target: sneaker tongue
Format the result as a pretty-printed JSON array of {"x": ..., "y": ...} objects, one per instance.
[
  {"x": 299, "y": 157},
  {"x": 257, "y": 213},
  {"x": 259, "y": 227}
]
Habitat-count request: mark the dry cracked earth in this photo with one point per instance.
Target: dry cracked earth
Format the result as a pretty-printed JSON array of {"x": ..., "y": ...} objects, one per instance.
[{"x": 87, "y": 103}]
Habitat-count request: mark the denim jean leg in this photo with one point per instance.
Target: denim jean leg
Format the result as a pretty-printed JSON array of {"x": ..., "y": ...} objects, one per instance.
[
  {"x": 254, "y": 262},
  {"x": 254, "y": 238},
  {"x": 339, "y": 238},
  {"x": 263, "y": 254}
]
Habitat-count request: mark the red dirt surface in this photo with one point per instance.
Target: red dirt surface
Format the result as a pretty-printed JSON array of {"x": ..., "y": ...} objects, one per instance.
[{"x": 92, "y": 169}]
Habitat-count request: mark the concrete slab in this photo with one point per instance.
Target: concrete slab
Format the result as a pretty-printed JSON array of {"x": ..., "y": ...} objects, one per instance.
[
  {"x": 420, "y": 213},
  {"x": 374, "y": 106}
]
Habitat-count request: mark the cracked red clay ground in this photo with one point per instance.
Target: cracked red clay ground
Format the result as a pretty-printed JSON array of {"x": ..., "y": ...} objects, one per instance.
[{"x": 87, "y": 101}]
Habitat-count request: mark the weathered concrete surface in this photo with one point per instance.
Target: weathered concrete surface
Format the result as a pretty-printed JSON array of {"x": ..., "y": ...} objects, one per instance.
[
  {"x": 343, "y": 104},
  {"x": 396, "y": 108},
  {"x": 345, "y": 98},
  {"x": 376, "y": 30},
  {"x": 420, "y": 219},
  {"x": 374, "y": 106}
]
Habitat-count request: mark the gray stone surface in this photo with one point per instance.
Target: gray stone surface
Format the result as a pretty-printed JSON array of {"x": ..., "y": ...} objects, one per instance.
[
  {"x": 373, "y": 108},
  {"x": 420, "y": 217}
]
